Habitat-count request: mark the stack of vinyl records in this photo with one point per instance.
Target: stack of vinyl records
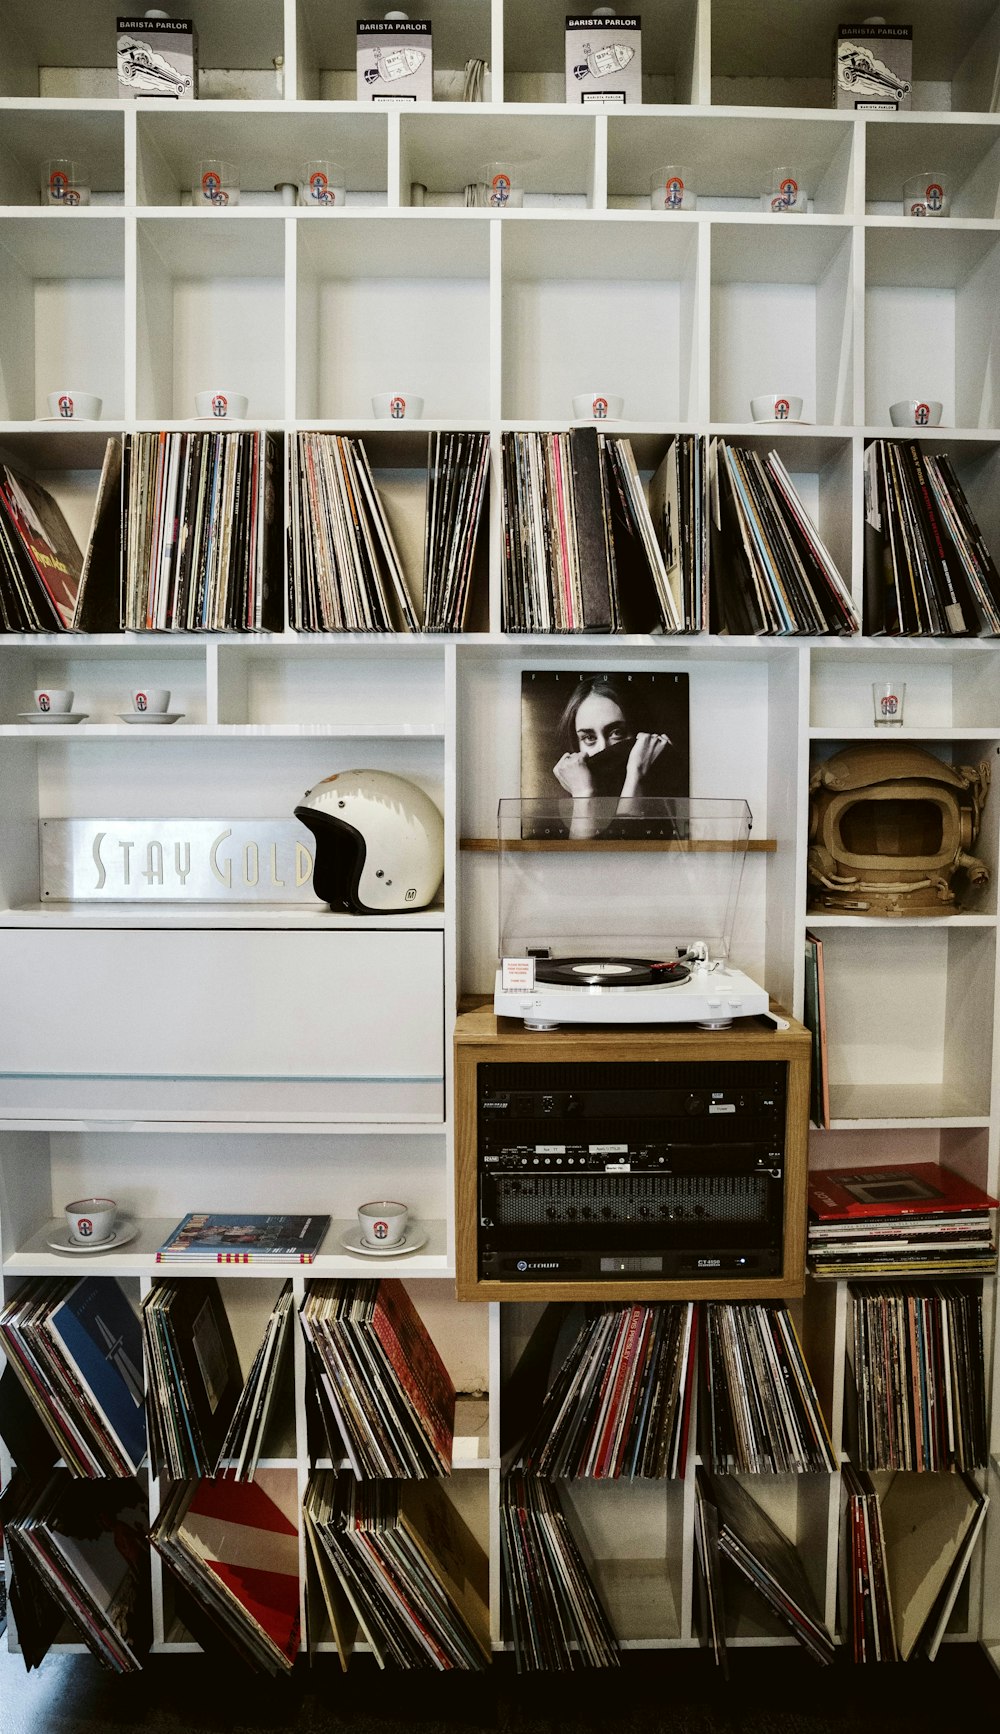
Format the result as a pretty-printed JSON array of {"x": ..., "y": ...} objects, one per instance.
[
  {"x": 759, "y": 1413},
  {"x": 910, "y": 1538},
  {"x": 582, "y": 553},
  {"x": 380, "y": 1377},
  {"x": 77, "y": 1551},
  {"x": 458, "y": 466},
  {"x": 919, "y": 1375},
  {"x": 765, "y": 1558},
  {"x": 395, "y": 1559},
  {"x": 346, "y": 574},
  {"x": 927, "y": 567},
  {"x": 771, "y": 572},
  {"x": 618, "y": 1406},
  {"x": 202, "y": 1417},
  {"x": 917, "y": 1218},
  {"x": 234, "y": 1552},
  {"x": 551, "y": 1606},
  {"x": 200, "y": 533},
  {"x": 77, "y": 1349},
  {"x": 40, "y": 562}
]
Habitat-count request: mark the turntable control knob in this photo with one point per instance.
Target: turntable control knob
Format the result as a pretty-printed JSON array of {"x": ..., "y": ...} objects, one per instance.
[
  {"x": 735, "y": 1004},
  {"x": 714, "y": 1003}
]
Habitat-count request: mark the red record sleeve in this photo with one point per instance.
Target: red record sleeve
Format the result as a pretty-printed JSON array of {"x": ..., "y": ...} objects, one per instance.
[{"x": 892, "y": 1189}]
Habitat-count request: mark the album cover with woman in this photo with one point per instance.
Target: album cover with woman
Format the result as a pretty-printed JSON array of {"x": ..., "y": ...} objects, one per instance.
[{"x": 594, "y": 745}]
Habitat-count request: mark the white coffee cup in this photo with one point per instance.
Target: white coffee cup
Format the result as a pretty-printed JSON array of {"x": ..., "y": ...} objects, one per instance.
[
  {"x": 221, "y": 404},
  {"x": 53, "y": 698},
  {"x": 597, "y": 406},
  {"x": 71, "y": 405},
  {"x": 91, "y": 1220},
  {"x": 397, "y": 406},
  {"x": 382, "y": 1223},
  {"x": 150, "y": 699},
  {"x": 915, "y": 412},
  {"x": 778, "y": 407}
]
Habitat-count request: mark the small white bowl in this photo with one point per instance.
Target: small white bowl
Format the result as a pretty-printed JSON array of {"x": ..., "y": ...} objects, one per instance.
[
  {"x": 597, "y": 406},
  {"x": 915, "y": 412},
  {"x": 778, "y": 407},
  {"x": 69, "y": 405},
  {"x": 397, "y": 406},
  {"x": 53, "y": 700},
  {"x": 221, "y": 404}
]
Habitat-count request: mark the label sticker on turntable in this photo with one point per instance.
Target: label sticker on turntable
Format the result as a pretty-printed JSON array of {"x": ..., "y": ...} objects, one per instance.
[{"x": 517, "y": 974}]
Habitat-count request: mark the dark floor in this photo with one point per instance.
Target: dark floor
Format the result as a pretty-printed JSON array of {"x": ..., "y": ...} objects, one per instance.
[{"x": 769, "y": 1692}]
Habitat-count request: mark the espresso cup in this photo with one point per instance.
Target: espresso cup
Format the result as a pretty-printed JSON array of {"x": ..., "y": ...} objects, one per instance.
[
  {"x": 71, "y": 405},
  {"x": 91, "y": 1220},
  {"x": 382, "y": 1223},
  {"x": 221, "y": 405},
  {"x": 397, "y": 406},
  {"x": 151, "y": 699},
  {"x": 53, "y": 698},
  {"x": 779, "y": 407},
  {"x": 915, "y": 412},
  {"x": 597, "y": 406}
]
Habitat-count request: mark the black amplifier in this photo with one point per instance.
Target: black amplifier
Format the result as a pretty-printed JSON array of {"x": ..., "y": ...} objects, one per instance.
[{"x": 637, "y": 1170}]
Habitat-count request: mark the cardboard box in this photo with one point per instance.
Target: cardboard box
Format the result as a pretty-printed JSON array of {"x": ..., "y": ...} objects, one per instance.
[
  {"x": 394, "y": 61},
  {"x": 158, "y": 57},
  {"x": 604, "y": 60},
  {"x": 873, "y": 67}
]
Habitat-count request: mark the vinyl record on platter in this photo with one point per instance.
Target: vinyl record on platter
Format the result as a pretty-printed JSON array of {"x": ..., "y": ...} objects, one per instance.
[{"x": 609, "y": 972}]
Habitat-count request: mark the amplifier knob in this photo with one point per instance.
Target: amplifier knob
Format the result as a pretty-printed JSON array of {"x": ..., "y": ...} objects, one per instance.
[
  {"x": 574, "y": 1105},
  {"x": 606, "y": 1211},
  {"x": 695, "y": 1105},
  {"x": 571, "y": 1213},
  {"x": 586, "y": 1213},
  {"x": 550, "y": 1211}
]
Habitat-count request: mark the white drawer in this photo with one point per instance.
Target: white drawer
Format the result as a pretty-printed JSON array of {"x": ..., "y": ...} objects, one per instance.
[{"x": 188, "y": 1023}]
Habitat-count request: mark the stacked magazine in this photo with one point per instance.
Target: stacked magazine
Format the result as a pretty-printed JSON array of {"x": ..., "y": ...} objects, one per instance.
[
  {"x": 395, "y": 1559},
  {"x": 551, "y": 1607},
  {"x": 204, "y": 1238},
  {"x": 77, "y": 1551},
  {"x": 927, "y": 567},
  {"x": 618, "y": 1404},
  {"x": 234, "y": 1553},
  {"x": 919, "y": 1374},
  {"x": 759, "y": 1413},
  {"x": 383, "y": 1389},
  {"x": 77, "y": 1349}
]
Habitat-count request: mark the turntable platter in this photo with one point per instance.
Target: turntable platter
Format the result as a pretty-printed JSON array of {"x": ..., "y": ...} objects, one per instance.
[{"x": 609, "y": 972}]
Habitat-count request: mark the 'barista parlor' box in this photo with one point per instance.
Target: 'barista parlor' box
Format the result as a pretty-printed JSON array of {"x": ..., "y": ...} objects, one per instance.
[
  {"x": 158, "y": 57},
  {"x": 874, "y": 67}
]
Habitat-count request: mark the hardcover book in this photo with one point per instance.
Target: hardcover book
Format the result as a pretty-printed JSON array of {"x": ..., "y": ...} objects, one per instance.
[{"x": 244, "y": 1239}]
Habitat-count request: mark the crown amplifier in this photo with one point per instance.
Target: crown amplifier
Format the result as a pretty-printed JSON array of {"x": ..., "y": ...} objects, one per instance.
[{"x": 631, "y": 1171}]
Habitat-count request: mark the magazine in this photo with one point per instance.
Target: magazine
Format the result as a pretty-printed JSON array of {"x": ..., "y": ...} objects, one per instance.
[{"x": 245, "y": 1239}]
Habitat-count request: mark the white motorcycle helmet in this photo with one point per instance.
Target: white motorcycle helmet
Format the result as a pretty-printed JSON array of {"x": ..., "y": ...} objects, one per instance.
[{"x": 379, "y": 842}]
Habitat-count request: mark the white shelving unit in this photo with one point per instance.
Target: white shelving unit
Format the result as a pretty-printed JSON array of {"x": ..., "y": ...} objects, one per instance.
[{"x": 496, "y": 320}]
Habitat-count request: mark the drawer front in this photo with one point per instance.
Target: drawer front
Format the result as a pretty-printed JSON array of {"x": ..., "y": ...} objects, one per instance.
[{"x": 279, "y": 1024}]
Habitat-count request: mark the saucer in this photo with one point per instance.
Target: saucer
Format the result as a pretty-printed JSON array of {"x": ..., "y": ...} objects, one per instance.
[
  {"x": 411, "y": 1242},
  {"x": 52, "y": 716},
  {"x": 126, "y": 1232},
  {"x": 149, "y": 716}
]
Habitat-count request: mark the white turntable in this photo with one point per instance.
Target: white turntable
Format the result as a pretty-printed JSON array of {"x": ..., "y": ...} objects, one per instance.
[{"x": 596, "y": 917}]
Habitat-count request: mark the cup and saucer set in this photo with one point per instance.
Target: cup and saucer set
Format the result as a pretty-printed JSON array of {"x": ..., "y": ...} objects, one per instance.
[
  {"x": 93, "y": 1225},
  {"x": 384, "y": 1231}
]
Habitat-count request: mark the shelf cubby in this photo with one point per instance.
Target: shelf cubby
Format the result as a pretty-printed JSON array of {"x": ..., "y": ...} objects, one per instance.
[
  {"x": 324, "y": 687},
  {"x": 555, "y": 158},
  {"x": 948, "y": 688},
  {"x": 265, "y": 148},
  {"x": 401, "y": 306},
  {"x": 628, "y": 292},
  {"x": 326, "y": 46},
  {"x": 931, "y": 320},
  {"x": 731, "y": 158},
  {"x": 62, "y": 282},
  {"x": 29, "y": 138},
  {"x": 102, "y": 678},
  {"x": 211, "y": 307},
  {"x": 781, "y": 317},
  {"x": 534, "y": 53},
  {"x": 964, "y": 152}
]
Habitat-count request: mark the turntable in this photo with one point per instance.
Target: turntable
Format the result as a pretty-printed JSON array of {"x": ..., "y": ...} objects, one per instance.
[{"x": 597, "y": 928}]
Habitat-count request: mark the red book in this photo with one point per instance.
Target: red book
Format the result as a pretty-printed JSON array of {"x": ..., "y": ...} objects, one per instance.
[{"x": 892, "y": 1189}]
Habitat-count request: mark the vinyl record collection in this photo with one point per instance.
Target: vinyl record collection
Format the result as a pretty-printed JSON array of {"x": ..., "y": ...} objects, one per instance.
[
  {"x": 234, "y": 1552},
  {"x": 910, "y": 1539},
  {"x": 200, "y": 533},
  {"x": 758, "y": 1411},
  {"x": 40, "y": 562},
  {"x": 203, "y": 1418},
  {"x": 77, "y": 1349},
  {"x": 917, "y": 1361},
  {"x": 345, "y": 572},
  {"x": 77, "y": 1551},
  {"x": 551, "y": 1607},
  {"x": 619, "y": 1404},
  {"x": 765, "y": 1558},
  {"x": 915, "y": 1218},
  {"x": 380, "y": 1380},
  {"x": 395, "y": 1559},
  {"x": 927, "y": 567}
]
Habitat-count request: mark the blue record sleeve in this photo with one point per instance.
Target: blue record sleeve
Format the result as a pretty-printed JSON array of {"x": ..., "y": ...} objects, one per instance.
[{"x": 100, "y": 1331}]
